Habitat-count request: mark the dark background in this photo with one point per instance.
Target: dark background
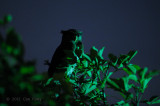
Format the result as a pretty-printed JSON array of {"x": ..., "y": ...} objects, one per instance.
[{"x": 119, "y": 25}]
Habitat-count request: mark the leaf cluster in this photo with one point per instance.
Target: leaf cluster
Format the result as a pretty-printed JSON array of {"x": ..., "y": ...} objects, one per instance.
[
  {"x": 19, "y": 79},
  {"x": 93, "y": 76}
]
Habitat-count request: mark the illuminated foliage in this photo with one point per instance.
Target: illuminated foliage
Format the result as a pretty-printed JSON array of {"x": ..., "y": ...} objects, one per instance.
[{"x": 93, "y": 75}]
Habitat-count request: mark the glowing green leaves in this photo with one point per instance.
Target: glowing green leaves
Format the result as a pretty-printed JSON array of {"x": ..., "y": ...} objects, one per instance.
[
  {"x": 130, "y": 69},
  {"x": 101, "y": 52},
  {"x": 152, "y": 100},
  {"x": 122, "y": 103},
  {"x": 88, "y": 87},
  {"x": 105, "y": 79},
  {"x": 120, "y": 84},
  {"x": 146, "y": 76},
  {"x": 95, "y": 54},
  {"x": 92, "y": 76},
  {"x": 86, "y": 57},
  {"x": 70, "y": 69},
  {"x": 140, "y": 75},
  {"x": 119, "y": 62},
  {"x": 122, "y": 60}
]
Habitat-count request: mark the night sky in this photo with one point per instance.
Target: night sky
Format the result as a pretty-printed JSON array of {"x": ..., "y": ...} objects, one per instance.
[{"x": 119, "y": 25}]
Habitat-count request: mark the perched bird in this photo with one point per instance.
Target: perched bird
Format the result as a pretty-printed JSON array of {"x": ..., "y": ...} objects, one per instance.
[{"x": 66, "y": 55}]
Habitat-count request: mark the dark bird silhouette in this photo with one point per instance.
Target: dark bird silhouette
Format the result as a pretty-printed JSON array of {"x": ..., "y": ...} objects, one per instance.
[{"x": 68, "y": 52}]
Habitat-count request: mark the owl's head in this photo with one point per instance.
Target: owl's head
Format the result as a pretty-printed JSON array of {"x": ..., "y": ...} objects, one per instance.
[{"x": 71, "y": 35}]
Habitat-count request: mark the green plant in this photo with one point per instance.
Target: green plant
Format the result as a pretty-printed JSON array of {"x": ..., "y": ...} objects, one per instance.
[{"x": 93, "y": 74}]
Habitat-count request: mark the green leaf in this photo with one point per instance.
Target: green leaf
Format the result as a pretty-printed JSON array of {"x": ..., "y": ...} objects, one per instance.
[
  {"x": 70, "y": 69},
  {"x": 49, "y": 81},
  {"x": 101, "y": 52},
  {"x": 9, "y": 49},
  {"x": 86, "y": 56},
  {"x": 122, "y": 103},
  {"x": 94, "y": 49},
  {"x": 101, "y": 67},
  {"x": 144, "y": 83},
  {"x": 27, "y": 69},
  {"x": 126, "y": 83},
  {"x": 96, "y": 60},
  {"x": 92, "y": 95},
  {"x": 127, "y": 71},
  {"x": 88, "y": 87},
  {"x": 132, "y": 68},
  {"x": 112, "y": 83},
  {"x": 127, "y": 95},
  {"x": 57, "y": 82},
  {"x": 153, "y": 73},
  {"x": 132, "y": 53},
  {"x": 37, "y": 77},
  {"x": 91, "y": 88},
  {"x": 122, "y": 59},
  {"x": 89, "y": 73},
  {"x": 113, "y": 59},
  {"x": 120, "y": 84},
  {"x": 7, "y": 19},
  {"x": 142, "y": 73},
  {"x": 85, "y": 63},
  {"x": 85, "y": 86},
  {"x": 153, "y": 100},
  {"x": 136, "y": 67},
  {"x": 105, "y": 79},
  {"x": 133, "y": 77},
  {"x": 72, "y": 81}
]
